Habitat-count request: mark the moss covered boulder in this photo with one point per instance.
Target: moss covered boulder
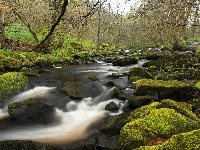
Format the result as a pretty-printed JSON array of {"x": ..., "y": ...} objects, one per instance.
[
  {"x": 93, "y": 77},
  {"x": 32, "y": 145},
  {"x": 12, "y": 81},
  {"x": 119, "y": 93},
  {"x": 77, "y": 90},
  {"x": 127, "y": 60},
  {"x": 183, "y": 141},
  {"x": 27, "y": 108},
  {"x": 162, "y": 89},
  {"x": 138, "y": 101},
  {"x": 139, "y": 73},
  {"x": 163, "y": 123}
]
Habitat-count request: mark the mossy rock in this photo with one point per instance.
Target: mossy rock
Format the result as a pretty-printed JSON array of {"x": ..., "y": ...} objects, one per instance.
[
  {"x": 138, "y": 101},
  {"x": 119, "y": 93},
  {"x": 77, "y": 90},
  {"x": 183, "y": 141},
  {"x": 115, "y": 75},
  {"x": 127, "y": 60},
  {"x": 197, "y": 85},
  {"x": 110, "y": 83},
  {"x": 134, "y": 78},
  {"x": 12, "y": 64},
  {"x": 25, "y": 145},
  {"x": 44, "y": 71},
  {"x": 139, "y": 72},
  {"x": 27, "y": 108},
  {"x": 181, "y": 107},
  {"x": 12, "y": 81},
  {"x": 162, "y": 123},
  {"x": 92, "y": 77},
  {"x": 32, "y": 145},
  {"x": 162, "y": 89}
]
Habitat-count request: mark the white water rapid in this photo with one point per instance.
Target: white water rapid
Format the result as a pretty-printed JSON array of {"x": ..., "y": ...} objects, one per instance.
[{"x": 68, "y": 126}]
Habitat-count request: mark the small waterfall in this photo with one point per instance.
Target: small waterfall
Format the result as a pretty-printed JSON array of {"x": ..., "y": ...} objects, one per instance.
[{"x": 73, "y": 123}]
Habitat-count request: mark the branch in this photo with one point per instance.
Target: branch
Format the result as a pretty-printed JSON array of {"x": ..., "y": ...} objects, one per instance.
[{"x": 53, "y": 26}]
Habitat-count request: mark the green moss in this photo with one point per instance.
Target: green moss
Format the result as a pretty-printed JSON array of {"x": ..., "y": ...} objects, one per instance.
[
  {"x": 163, "y": 89},
  {"x": 111, "y": 83},
  {"x": 139, "y": 72},
  {"x": 197, "y": 85},
  {"x": 93, "y": 77},
  {"x": 12, "y": 81},
  {"x": 162, "y": 123},
  {"x": 184, "y": 141},
  {"x": 181, "y": 107},
  {"x": 138, "y": 101}
]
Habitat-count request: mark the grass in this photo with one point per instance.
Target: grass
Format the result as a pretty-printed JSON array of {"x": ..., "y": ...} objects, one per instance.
[{"x": 190, "y": 40}]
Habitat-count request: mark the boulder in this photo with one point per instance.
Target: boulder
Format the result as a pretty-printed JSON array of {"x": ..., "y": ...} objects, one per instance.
[
  {"x": 127, "y": 60},
  {"x": 93, "y": 77},
  {"x": 11, "y": 82},
  {"x": 110, "y": 83},
  {"x": 27, "y": 108},
  {"x": 138, "y": 101},
  {"x": 77, "y": 90},
  {"x": 162, "y": 123},
  {"x": 119, "y": 94},
  {"x": 183, "y": 141},
  {"x": 163, "y": 89},
  {"x": 112, "y": 107}
]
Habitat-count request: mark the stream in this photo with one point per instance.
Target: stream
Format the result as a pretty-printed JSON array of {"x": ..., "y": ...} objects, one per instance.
[{"x": 70, "y": 120}]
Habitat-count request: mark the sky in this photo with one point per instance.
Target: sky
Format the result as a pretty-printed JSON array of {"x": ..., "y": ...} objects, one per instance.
[{"x": 124, "y": 5}]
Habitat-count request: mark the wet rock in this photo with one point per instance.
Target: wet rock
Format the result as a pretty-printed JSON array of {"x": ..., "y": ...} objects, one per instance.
[
  {"x": 127, "y": 60},
  {"x": 115, "y": 75},
  {"x": 138, "y": 101},
  {"x": 31, "y": 145},
  {"x": 93, "y": 77},
  {"x": 27, "y": 108},
  {"x": 44, "y": 71},
  {"x": 119, "y": 94},
  {"x": 107, "y": 142},
  {"x": 183, "y": 54},
  {"x": 112, "y": 107},
  {"x": 77, "y": 90},
  {"x": 111, "y": 83}
]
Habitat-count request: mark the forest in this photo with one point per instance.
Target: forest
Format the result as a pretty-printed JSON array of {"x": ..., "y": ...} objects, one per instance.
[{"x": 100, "y": 74}]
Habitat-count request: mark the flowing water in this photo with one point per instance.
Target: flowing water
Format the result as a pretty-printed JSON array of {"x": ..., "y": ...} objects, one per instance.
[{"x": 69, "y": 120}]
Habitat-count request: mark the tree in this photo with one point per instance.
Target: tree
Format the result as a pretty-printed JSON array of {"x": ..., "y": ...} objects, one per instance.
[{"x": 164, "y": 21}]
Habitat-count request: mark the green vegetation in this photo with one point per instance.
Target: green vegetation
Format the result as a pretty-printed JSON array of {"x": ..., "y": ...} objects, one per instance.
[
  {"x": 93, "y": 77},
  {"x": 161, "y": 88},
  {"x": 12, "y": 81},
  {"x": 184, "y": 141}
]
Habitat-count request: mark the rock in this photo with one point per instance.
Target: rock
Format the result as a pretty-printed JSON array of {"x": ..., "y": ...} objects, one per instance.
[
  {"x": 119, "y": 94},
  {"x": 139, "y": 72},
  {"x": 138, "y": 101},
  {"x": 44, "y": 71},
  {"x": 183, "y": 54},
  {"x": 163, "y": 123},
  {"x": 112, "y": 107},
  {"x": 162, "y": 89},
  {"x": 27, "y": 108},
  {"x": 111, "y": 83},
  {"x": 25, "y": 145},
  {"x": 107, "y": 142},
  {"x": 12, "y": 81},
  {"x": 183, "y": 141},
  {"x": 31, "y": 145},
  {"x": 115, "y": 75},
  {"x": 77, "y": 90},
  {"x": 127, "y": 60},
  {"x": 93, "y": 77}
]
